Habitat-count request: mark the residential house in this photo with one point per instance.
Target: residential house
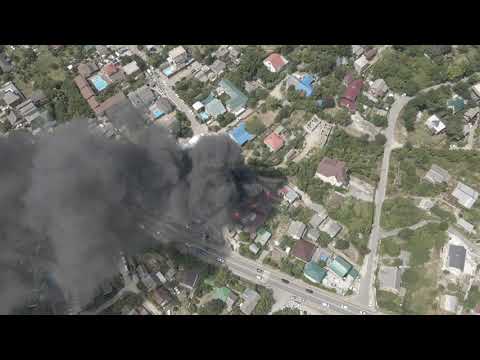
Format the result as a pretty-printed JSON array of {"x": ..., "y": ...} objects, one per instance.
[
  {"x": 465, "y": 195},
  {"x": 288, "y": 194},
  {"x": 160, "y": 277},
  {"x": 476, "y": 89},
  {"x": 318, "y": 218},
  {"x": 370, "y": 54},
  {"x": 274, "y": 142},
  {"x": 357, "y": 50},
  {"x": 314, "y": 272},
  {"x": 361, "y": 64},
  {"x": 131, "y": 68},
  {"x": 301, "y": 84},
  {"x": 237, "y": 102},
  {"x": 449, "y": 303},
  {"x": 188, "y": 279},
  {"x": 435, "y": 125},
  {"x": 110, "y": 103},
  {"x": 215, "y": 108},
  {"x": 331, "y": 227},
  {"x": 378, "y": 88},
  {"x": 218, "y": 67},
  {"x": 426, "y": 204},
  {"x": 313, "y": 234},
  {"x": 161, "y": 107},
  {"x": 177, "y": 56},
  {"x": 340, "y": 266},
  {"x": 349, "y": 98},
  {"x": 240, "y": 135},
  {"x": 333, "y": 172},
  {"x": 222, "y": 52},
  {"x": 471, "y": 115},
  {"x": 250, "y": 299},
  {"x": 456, "y": 258},
  {"x": 262, "y": 237},
  {"x": 142, "y": 98},
  {"x": 27, "y": 110},
  {"x": 87, "y": 69},
  {"x": 254, "y": 248},
  {"x": 5, "y": 63},
  {"x": 303, "y": 250},
  {"x": 112, "y": 72},
  {"x": 296, "y": 230},
  {"x": 389, "y": 278},
  {"x": 437, "y": 175},
  {"x": 456, "y": 104},
  {"x": 465, "y": 225},
  {"x": 198, "y": 106},
  {"x": 10, "y": 94},
  {"x": 227, "y": 296},
  {"x": 162, "y": 296},
  {"x": 12, "y": 118},
  {"x": 275, "y": 62}
]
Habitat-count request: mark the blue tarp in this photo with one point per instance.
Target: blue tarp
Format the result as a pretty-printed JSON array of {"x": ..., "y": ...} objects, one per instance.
[{"x": 240, "y": 135}]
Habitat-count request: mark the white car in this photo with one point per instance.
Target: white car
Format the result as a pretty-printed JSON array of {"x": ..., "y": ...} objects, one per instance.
[
  {"x": 325, "y": 304},
  {"x": 219, "y": 259},
  {"x": 344, "y": 307},
  {"x": 363, "y": 312},
  {"x": 259, "y": 277}
]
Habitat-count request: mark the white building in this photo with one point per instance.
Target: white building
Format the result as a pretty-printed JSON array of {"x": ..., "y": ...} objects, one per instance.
[
  {"x": 435, "y": 124},
  {"x": 360, "y": 64}
]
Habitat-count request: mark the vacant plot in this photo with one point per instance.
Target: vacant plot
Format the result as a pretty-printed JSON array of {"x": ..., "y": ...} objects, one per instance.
[
  {"x": 400, "y": 212},
  {"x": 390, "y": 246}
]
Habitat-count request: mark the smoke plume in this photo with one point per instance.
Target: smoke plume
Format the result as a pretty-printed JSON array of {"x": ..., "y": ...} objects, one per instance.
[{"x": 73, "y": 201}]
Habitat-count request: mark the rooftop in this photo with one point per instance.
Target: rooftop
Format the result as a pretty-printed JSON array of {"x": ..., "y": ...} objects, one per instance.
[
  {"x": 331, "y": 167},
  {"x": 456, "y": 256},
  {"x": 277, "y": 61},
  {"x": 274, "y": 142},
  {"x": 389, "y": 278},
  {"x": 296, "y": 229},
  {"x": 240, "y": 135},
  {"x": 465, "y": 195},
  {"x": 303, "y": 250},
  {"x": 340, "y": 266},
  {"x": 314, "y": 272}
]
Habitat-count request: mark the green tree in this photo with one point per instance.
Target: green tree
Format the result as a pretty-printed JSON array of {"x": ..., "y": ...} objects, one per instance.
[
  {"x": 213, "y": 307},
  {"x": 380, "y": 139},
  {"x": 255, "y": 126},
  {"x": 341, "y": 244}
]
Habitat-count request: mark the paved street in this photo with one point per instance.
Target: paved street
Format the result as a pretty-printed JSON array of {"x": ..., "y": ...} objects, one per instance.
[
  {"x": 366, "y": 295},
  {"x": 165, "y": 88}
]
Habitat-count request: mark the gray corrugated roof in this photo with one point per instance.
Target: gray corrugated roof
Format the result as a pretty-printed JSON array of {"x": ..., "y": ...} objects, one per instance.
[{"x": 456, "y": 256}]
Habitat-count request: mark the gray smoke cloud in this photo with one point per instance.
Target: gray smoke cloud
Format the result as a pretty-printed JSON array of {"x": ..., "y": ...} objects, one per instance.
[{"x": 73, "y": 201}]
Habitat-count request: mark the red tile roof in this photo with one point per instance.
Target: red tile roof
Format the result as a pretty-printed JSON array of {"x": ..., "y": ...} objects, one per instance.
[
  {"x": 276, "y": 60},
  {"x": 273, "y": 141},
  {"x": 87, "y": 92},
  {"x": 303, "y": 250},
  {"x": 80, "y": 81},
  {"x": 331, "y": 167},
  {"x": 93, "y": 103},
  {"x": 110, "y": 69},
  {"x": 350, "y": 95}
]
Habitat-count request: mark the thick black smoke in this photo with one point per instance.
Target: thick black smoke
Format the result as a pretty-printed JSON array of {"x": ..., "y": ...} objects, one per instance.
[{"x": 72, "y": 201}]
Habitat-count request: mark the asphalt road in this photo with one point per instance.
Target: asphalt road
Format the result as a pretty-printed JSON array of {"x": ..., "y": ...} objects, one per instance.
[
  {"x": 321, "y": 300},
  {"x": 366, "y": 296}
]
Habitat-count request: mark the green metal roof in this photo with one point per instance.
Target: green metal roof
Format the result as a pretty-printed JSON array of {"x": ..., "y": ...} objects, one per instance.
[
  {"x": 353, "y": 273},
  {"x": 314, "y": 272},
  {"x": 340, "y": 266},
  {"x": 237, "y": 98},
  {"x": 457, "y": 103},
  {"x": 222, "y": 293}
]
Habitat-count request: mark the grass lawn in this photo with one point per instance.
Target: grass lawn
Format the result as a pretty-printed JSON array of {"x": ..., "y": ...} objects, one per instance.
[
  {"x": 49, "y": 64},
  {"x": 400, "y": 212},
  {"x": 389, "y": 302}
]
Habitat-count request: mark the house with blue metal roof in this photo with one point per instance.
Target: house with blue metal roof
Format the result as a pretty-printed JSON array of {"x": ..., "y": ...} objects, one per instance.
[
  {"x": 240, "y": 135},
  {"x": 303, "y": 84}
]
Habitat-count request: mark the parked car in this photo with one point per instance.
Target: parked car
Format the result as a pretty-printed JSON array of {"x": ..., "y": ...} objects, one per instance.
[
  {"x": 310, "y": 291},
  {"x": 285, "y": 281}
]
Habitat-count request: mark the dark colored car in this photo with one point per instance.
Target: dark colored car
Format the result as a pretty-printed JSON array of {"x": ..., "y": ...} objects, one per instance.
[
  {"x": 286, "y": 281},
  {"x": 309, "y": 291}
]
